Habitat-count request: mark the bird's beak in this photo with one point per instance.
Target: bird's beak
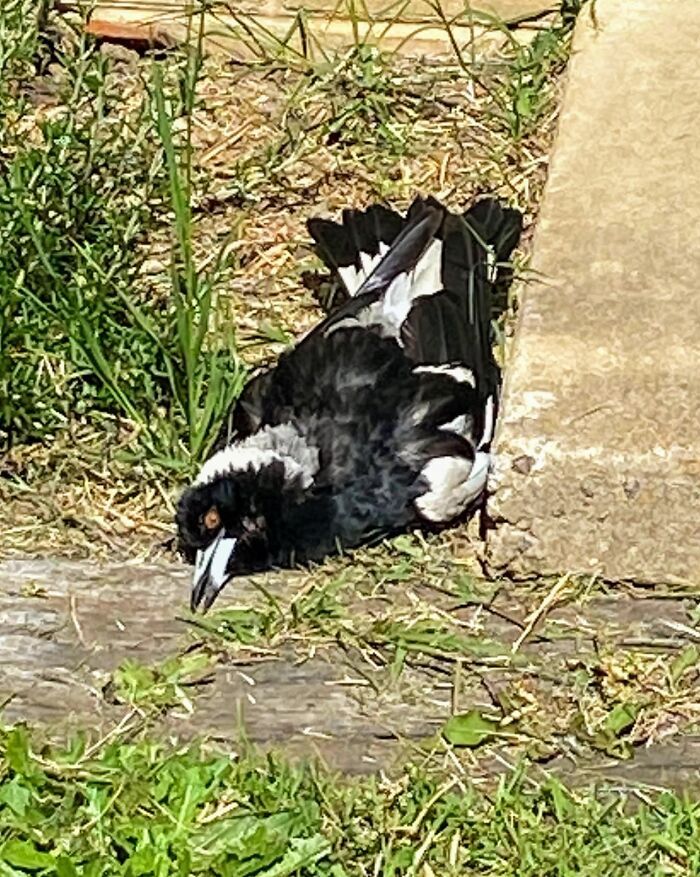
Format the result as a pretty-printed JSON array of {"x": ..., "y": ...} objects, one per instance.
[{"x": 210, "y": 571}]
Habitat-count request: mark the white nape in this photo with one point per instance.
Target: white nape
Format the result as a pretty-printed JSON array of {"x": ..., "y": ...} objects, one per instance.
[{"x": 269, "y": 445}]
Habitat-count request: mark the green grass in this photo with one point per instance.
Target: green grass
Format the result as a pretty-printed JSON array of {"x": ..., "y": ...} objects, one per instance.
[
  {"x": 81, "y": 189},
  {"x": 120, "y": 808}
]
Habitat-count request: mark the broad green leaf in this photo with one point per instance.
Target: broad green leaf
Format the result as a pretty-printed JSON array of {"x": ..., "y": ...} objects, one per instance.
[
  {"x": 65, "y": 868},
  {"x": 469, "y": 729},
  {"x": 302, "y": 852},
  {"x": 246, "y": 836},
  {"x": 143, "y": 861},
  {"x": 15, "y": 795},
  {"x": 24, "y": 854},
  {"x": 621, "y": 717},
  {"x": 17, "y": 750},
  {"x": 687, "y": 658}
]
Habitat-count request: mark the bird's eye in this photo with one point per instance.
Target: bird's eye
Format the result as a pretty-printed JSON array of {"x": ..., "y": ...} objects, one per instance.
[{"x": 212, "y": 519}]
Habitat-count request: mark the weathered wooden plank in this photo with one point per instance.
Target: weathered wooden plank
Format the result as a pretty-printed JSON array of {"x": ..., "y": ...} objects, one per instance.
[
  {"x": 64, "y": 625},
  {"x": 311, "y": 27}
]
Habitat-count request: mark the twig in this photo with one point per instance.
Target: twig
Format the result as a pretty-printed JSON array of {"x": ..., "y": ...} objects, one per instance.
[
  {"x": 74, "y": 618},
  {"x": 413, "y": 828},
  {"x": 690, "y": 632},
  {"x": 540, "y": 612},
  {"x": 456, "y": 680}
]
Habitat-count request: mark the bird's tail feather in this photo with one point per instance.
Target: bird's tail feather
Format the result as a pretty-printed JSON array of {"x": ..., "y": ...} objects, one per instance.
[
  {"x": 498, "y": 227},
  {"x": 354, "y": 247},
  {"x": 454, "y": 325},
  {"x": 479, "y": 245}
]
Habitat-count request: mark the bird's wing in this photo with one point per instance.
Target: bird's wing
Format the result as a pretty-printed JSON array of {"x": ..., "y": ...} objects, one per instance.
[
  {"x": 449, "y": 334},
  {"x": 246, "y": 413},
  {"x": 408, "y": 268},
  {"x": 353, "y": 248},
  {"x": 454, "y": 325},
  {"x": 429, "y": 288}
]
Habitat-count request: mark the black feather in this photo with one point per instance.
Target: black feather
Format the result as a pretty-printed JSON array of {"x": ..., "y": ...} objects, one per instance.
[
  {"x": 401, "y": 258},
  {"x": 362, "y": 231},
  {"x": 405, "y": 252}
]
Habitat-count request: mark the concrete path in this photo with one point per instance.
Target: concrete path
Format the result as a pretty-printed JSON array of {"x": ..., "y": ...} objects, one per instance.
[{"x": 599, "y": 441}]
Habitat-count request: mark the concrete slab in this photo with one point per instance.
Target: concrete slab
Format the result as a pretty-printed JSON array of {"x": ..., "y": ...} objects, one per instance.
[{"x": 598, "y": 448}]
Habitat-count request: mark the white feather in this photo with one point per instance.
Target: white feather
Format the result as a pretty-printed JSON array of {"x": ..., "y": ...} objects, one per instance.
[
  {"x": 487, "y": 434},
  {"x": 458, "y": 425},
  {"x": 368, "y": 262},
  {"x": 353, "y": 278},
  {"x": 476, "y": 483},
  {"x": 459, "y": 373},
  {"x": 391, "y": 310},
  {"x": 445, "y": 498},
  {"x": 453, "y": 484},
  {"x": 426, "y": 277}
]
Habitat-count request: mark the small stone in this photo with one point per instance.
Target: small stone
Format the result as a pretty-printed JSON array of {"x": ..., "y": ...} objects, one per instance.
[
  {"x": 120, "y": 54},
  {"x": 151, "y": 267},
  {"x": 632, "y": 486},
  {"x": 523, "y": 464}
]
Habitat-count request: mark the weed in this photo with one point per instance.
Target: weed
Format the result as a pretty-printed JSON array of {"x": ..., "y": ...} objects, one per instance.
[
  {"x": 525, "y": 94},
  {"x": 162, "y": 686},
  {"x": 141, "y": 808}
]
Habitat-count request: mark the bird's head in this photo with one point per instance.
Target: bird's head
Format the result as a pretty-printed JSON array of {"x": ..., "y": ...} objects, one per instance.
[{"x": 227, "y": 520}]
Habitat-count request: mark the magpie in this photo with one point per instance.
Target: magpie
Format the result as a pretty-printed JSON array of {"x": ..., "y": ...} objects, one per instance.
[{"x": 379, "y": 419}]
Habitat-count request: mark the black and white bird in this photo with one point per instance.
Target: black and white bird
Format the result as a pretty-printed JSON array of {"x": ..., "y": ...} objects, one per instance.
[{"x": 379, "y": 419}]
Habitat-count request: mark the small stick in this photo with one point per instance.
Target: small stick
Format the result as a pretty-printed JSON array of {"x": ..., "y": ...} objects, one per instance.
[
  {"x": 541, "y": 610},
  {"x": 74, "y": 619}
]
